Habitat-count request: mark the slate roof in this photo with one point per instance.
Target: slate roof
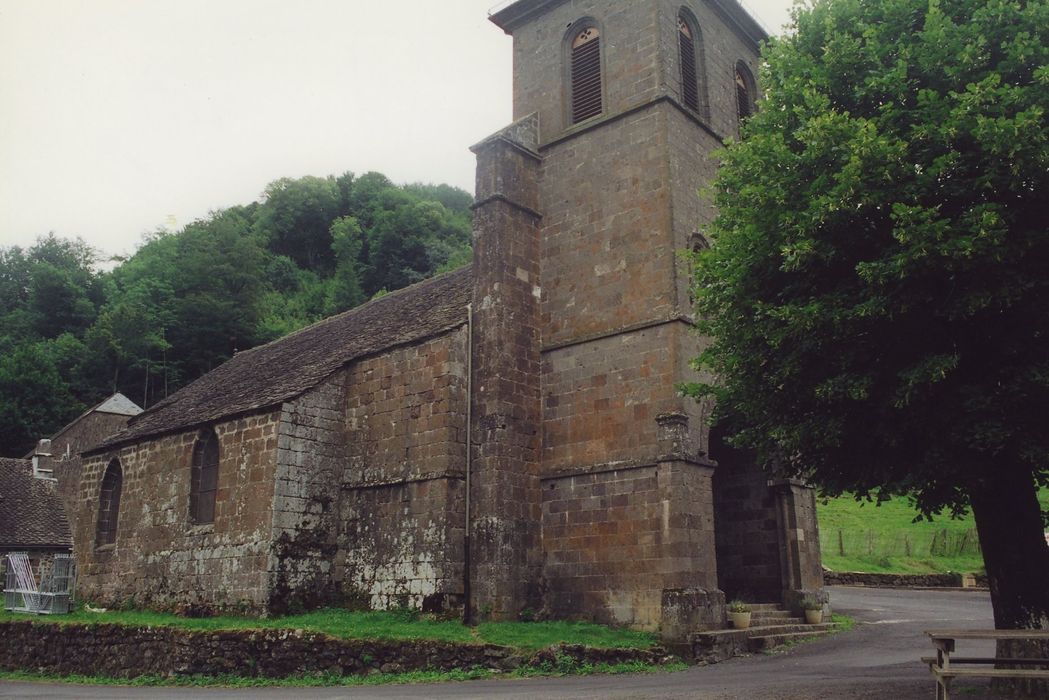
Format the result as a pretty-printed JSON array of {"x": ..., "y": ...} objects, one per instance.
[
  {"x": 118, "y": 404},
  {"x": 31, "y": 515},
  {"x": 286, "y": 368}
]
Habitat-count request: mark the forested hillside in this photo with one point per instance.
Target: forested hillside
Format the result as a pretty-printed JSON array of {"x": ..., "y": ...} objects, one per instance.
[{"x": 70, "y": 335}]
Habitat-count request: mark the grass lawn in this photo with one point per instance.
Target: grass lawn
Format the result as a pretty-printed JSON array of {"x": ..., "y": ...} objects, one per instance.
[
  {"x": 882, "y": 539},
  {"x": 393, "y": 625}
]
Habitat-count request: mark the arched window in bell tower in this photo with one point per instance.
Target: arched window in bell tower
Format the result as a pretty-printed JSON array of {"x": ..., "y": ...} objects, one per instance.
[
  {"x": 745, "y": 91},
  {"x": 585, "y": 73},
  {"x": 690, "y": 55}
]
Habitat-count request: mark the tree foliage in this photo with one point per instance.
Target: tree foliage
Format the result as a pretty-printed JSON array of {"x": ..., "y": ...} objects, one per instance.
[
  {"x": 878, "y": 288},
  {"x": 71, "y": 334}
]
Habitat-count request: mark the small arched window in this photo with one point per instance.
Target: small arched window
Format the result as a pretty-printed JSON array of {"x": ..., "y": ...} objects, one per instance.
[
  {"x": 744, "y": 91},
  {"x": 687, "y": 41},
  {"x": 109, "y": 504},
  {"x": 204, "y": 478},
  {"x": 585, "y": 60}
]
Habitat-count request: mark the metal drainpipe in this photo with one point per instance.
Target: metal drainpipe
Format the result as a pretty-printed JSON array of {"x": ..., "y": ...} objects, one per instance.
[{"x": 467, "y": 598}]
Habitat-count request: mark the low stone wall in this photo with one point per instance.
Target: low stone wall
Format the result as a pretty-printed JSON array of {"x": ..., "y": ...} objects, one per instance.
[
  {"x": 127, "y": 652},
  {"x": 856, "y": 578}
]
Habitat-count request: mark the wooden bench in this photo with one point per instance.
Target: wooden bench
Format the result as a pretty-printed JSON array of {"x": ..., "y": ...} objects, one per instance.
[{"x": 945, "y": 668}]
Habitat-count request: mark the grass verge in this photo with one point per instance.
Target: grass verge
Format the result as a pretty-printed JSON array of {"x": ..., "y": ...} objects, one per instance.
[
  {"x": 538, "y": 635},
  {"x": 387, "y": 625}
]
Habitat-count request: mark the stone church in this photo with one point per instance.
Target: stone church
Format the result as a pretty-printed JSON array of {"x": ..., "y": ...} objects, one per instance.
[{"x": 507, "y": 437}]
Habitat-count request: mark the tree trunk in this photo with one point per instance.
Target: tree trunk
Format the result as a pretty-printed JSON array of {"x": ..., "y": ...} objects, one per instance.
[{"x": 1009, "y": 523}]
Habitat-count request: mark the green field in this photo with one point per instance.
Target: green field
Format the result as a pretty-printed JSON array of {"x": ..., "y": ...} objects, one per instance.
[{"x": 859, "y": 536}]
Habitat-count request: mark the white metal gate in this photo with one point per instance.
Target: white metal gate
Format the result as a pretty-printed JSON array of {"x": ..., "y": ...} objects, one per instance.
[{"x": 53, "y": 595}]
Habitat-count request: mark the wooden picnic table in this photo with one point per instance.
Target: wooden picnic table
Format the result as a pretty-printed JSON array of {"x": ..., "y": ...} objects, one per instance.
[{"x": 946, "y": 668}]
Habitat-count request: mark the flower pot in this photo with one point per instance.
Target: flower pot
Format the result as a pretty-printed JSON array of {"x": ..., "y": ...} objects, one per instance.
[
  {"x": 740, "y": 620},
  {"x": 813, "y": 617}
]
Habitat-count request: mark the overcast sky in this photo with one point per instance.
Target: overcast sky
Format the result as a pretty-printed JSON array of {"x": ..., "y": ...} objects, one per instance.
[{"x": 118, "y": 117}]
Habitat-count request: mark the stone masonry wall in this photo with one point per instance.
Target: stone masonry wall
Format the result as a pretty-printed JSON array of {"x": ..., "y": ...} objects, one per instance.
[
  {"x": 505, "y": 545},
  {"x": 800, "y": 559},
  {"x": 601, "y": 399},
  {"x": 615, "y": 293},
  {"x": 607, "y": 249},
  {"x": 692, "y": 167},
  {"x": 401, "y": 513},
  {"x": 630, "y": 59},
  {"x": 310, "y": 457},
  {"x": 748, "y": 541},
  {"x": 161, "y": 559},
  {"x": 128, "y": 652},
  {"x": 65, "y": 461},
  {"x": 639, "y": 43},
  {"x": 618, "y": 195},
  {"x": 721, "y": 48},
  {"x": 615, "y": 540}
]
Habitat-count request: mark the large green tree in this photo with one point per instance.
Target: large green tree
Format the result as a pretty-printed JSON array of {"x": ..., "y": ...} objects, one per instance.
[
  {"x": 71, "y": 333},
  {"x": 878, "y": 287},
  {"x": 34, "y": 399},
  {"x": 296, "y": 215}
]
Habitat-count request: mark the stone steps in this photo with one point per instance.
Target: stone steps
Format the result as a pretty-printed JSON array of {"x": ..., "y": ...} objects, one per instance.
[
  {"x": 778, "y": 617},
  {"x": 766, "y": 631},
  {"x": 771, "y": 641},
  {"x": 771, "y": 626}
]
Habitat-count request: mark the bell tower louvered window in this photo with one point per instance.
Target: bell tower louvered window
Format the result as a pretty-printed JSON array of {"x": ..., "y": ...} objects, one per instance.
[
  {"x": 204, "y": 478},
  {"x": 109, "y": 504},
  {"x": 744, "y": 92},
  {"x": 689, "y": 72},
  {"x": 586, "y": 75}
]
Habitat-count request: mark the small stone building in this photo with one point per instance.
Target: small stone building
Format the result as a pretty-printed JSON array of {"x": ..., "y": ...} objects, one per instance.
[
  {"x": 508, "y": 436},
  {"x": 58, "y": 457}
]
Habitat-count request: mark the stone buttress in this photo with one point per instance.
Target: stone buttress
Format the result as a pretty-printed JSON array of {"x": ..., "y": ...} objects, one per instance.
[{"x": 504, "y": 492}]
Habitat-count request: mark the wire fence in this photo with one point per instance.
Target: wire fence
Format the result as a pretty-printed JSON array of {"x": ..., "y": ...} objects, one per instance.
[{"x": 899, "y": 543}]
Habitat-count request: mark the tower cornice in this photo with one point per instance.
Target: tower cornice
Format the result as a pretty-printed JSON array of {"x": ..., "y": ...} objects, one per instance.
[{"x": 509, "y": 16}]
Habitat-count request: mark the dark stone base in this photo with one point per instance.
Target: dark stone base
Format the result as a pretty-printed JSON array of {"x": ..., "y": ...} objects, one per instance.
[
  {"x": 689, "y": 610},
  {"x": 129, "y": 652},
  {"x": 792, "y": 600}
]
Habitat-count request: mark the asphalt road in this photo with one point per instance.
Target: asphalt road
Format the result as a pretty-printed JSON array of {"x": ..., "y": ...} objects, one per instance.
[{"x": 878, "y": 660}]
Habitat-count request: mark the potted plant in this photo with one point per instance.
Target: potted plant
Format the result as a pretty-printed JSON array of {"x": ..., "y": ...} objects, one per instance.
[
  {"x": 813, "y": 610},
  {"x": 739, "y": 613}
]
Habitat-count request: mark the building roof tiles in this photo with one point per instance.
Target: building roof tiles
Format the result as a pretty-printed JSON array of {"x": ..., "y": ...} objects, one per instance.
[
  {"x": 31, "y": 515},
  {"x": 271, "y": 374}
]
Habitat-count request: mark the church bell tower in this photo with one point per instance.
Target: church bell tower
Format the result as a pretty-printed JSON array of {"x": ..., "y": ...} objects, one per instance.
[{"x": 595, "y": 490}]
